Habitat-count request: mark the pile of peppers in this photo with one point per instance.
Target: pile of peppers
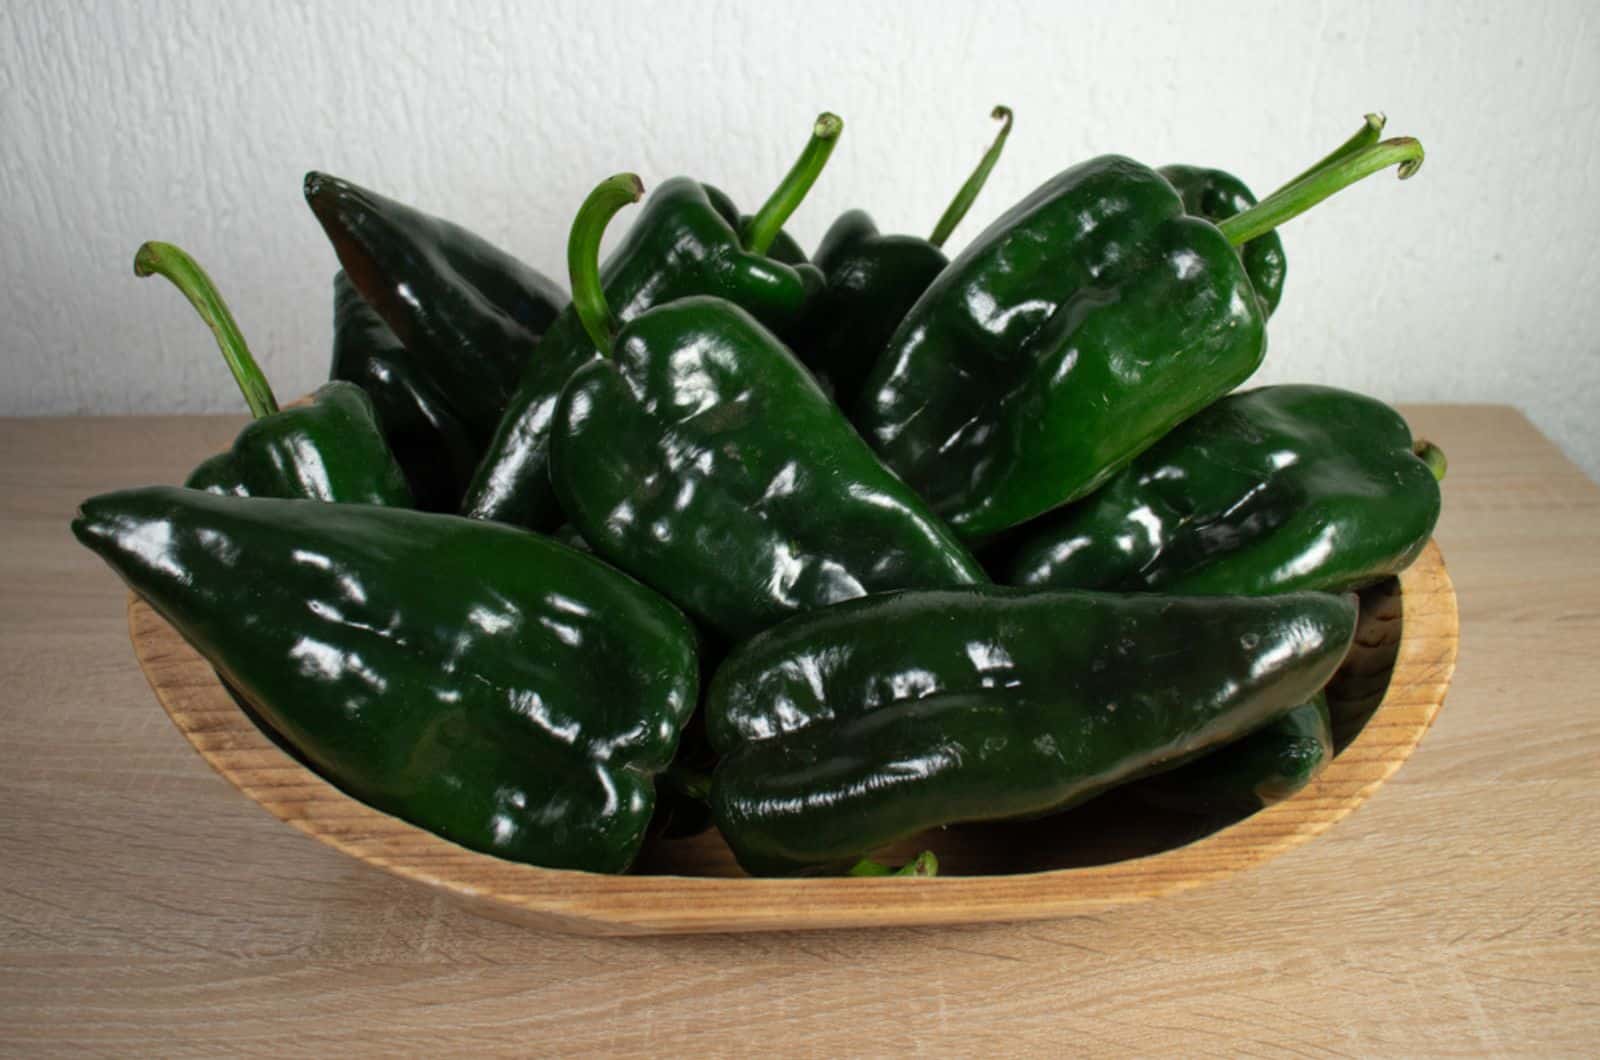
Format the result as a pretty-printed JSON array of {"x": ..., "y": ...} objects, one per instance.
[{"x": 823, "y": 551}]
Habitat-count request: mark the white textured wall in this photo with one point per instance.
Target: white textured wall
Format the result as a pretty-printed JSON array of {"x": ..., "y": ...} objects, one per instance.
[{"x": 194, "y": 122}]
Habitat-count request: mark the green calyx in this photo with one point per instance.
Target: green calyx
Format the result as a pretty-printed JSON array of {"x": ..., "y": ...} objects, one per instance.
[
  {"x": 969, "y": 191},
  {"x": 1353, "y": 161},
  {"x": 924, "y": 864},
  {"x": 188, "y": 277},
  {"x": 763, "y": 228},
  {"x": 1431, "y": 455},
  {"x": 583, "y": 255}
]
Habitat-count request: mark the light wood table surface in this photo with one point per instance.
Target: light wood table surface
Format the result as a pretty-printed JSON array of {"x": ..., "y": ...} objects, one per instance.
[{"x": 146, "y": 906}]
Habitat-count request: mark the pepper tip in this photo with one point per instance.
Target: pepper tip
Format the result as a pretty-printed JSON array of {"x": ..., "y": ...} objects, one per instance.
[
  {"x": 145, "y": 259},
  {"x": 1409, "y": 166}
]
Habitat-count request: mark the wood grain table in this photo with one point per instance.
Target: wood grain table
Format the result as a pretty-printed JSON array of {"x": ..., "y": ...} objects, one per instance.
[{"x": 147, "y": 907}]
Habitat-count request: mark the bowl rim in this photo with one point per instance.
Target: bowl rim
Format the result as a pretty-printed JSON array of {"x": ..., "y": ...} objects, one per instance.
[{"x": 591, "y": 903}]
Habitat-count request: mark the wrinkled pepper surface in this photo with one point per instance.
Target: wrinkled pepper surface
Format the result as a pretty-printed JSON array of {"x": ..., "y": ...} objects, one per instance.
[
  {"x": 683, "y": 243},
  {"x": 433, "y": 445},
  {"x": 1269, "y": 490},
  {"x": 328, "y": 450},
  {"x": 1260, "y": 768},
  {"x": 701, "y": 457},
  {"x": 852, "y": 727},
  {"x": 470, "y": 313},
  {"x": 1217, "y": 195},
  {"x": 1084, "y": 324},
  {"x": 872, "y": 280},
  {"x": 489, "y": 685}
]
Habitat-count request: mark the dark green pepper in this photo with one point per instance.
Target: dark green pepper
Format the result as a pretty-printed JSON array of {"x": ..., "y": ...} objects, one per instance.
[
  {"x": 1217, "y": 195},
  {"x": 470, "y": 313},
  {"x": 1083, "y": 325},
  {"x": 434, "y": 446},
  {"x": 328, "y": 450},
  {"x": 682, "y": 244},
  {"x": 490, "y": 685},
  {"x": 783, "y": 248},
  {"x": 1266, "y": 491},
  {"x": 868, "y": 722},
  {"x": 872, "y": 280},
  {"x": 701, "y": 457},
  {"x": 1261, "y": 768}
]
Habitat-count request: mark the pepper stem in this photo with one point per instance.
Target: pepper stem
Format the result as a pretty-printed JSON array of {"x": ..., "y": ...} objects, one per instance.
[
  {"x": 1431, "y": 455},
  {"x": 1371, "y": 129},
  {"x": 763, "y": 228},
  {"x": 969, "y": 191},
  {"x": 924, "y": 864},
  {"x": 187, "y": 276},
  {"x": 1296, "y": 197},
  {"x": 583, "y": 255}
]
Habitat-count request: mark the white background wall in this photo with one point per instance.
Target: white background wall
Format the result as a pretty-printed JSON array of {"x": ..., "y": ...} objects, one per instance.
[{"x": 1476, "y": 281}]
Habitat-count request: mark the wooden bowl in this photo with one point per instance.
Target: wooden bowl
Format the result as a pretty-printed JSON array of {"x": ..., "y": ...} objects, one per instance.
[{"x": 1110, "y": 852}]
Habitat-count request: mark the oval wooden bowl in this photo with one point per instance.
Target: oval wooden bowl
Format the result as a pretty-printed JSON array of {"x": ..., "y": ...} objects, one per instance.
[{"x": 1110, "y": 852}]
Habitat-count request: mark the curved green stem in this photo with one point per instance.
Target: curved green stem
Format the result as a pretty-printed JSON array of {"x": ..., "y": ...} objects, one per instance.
[
  {"x": 1371, "y": 129},
  {"x": 583, "y": 255},
  {"x": 187, "y": 276},
  {"x": 924, "y": 864},
  {"x": 1296, "y": 198},
  {"x": 969, "y": 191},
  {"x": 1431, "y": 455},
  {"x": 764, "y": 227}
]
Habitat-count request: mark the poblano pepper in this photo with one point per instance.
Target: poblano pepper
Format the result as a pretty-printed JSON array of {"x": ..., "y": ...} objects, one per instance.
[
  {"x": 490, "y": 685},
  {"x": 699, "y": 456},
  {"x": 433, "y": 445},
  {"x": 328, "y": 450},
  {"x": 470, "y": 313},
  {"x": 872, "y": 280},
  {"x": 1260, "y": 768},
  {"x": 783, "y": 248},
  {"x": 1084, "y": 324},
  {"x": 1217, "y": 195},
  {"x": 1267, "y": 491},
  {"x": 867, "y": 722},
  {"x": 682, "y": 244}
]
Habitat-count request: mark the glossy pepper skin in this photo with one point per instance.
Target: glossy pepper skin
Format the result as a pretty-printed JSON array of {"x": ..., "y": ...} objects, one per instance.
[
  {"x": 1217, "y": 195},
  {"x": 680, "y": 245},
  {"x": 852, "y": 727},
  {"x": 492, "y": 686},
  {"x": 1260, "y": 768},
  {"x": 784, "y": 248},
  {"x": 330, "y": 449},
  {"x": 872, "y": 280},
  {"x": 470, "y": 313},
  {"x": 1084, "y": 324},
  {"x": 703, "y": 459},
  {"x": 433, "y": 445},
  {"x": 1269, "y": 490}
]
